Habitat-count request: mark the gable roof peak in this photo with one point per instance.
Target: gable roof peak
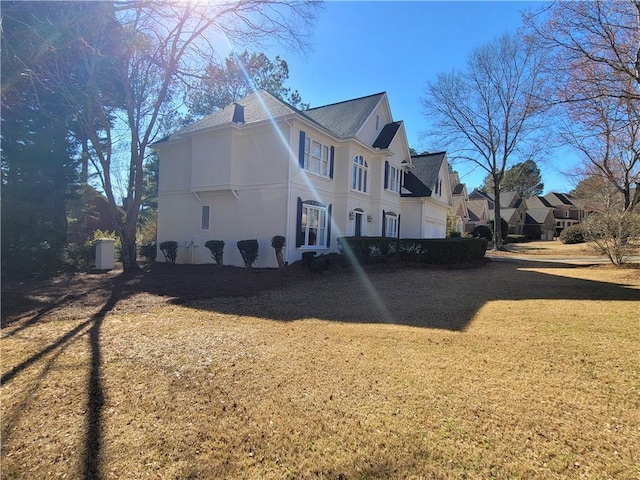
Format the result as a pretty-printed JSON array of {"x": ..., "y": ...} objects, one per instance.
[{"x": 379, "y": 94}]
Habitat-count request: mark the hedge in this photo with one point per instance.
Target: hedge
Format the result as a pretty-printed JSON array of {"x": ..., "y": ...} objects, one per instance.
[{"x": 434, "y": 251}]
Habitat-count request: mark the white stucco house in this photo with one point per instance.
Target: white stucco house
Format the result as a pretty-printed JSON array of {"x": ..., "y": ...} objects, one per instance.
[{"x": 260, "y": 168}]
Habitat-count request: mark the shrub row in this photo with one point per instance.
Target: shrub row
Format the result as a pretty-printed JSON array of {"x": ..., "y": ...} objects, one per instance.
[
  {"x": 248, "y": 250},
  {"x": 445, "y": 251}
]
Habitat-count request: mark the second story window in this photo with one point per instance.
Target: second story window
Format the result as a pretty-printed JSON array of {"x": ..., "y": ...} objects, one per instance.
[
  {"x": 359, "y": 176},
  {"x": 316, "y": 157},
  {"x": 394, "y": 179}
]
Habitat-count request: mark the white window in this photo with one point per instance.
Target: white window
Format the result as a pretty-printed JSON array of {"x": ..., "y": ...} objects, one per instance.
[
  {"x": 204, "y": 217},
  {"x": 359, "y": 174},
  {"x": 394, "y": 179},
  {"x": 377, "y": 123},
  {"x": 314, "y": 225},
  {"x": 316, "y": 157},
  {"x": 391, "y": 225}
]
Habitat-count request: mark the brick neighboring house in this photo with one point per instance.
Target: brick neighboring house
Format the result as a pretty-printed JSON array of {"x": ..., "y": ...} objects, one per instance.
[{"x": 96, "y": 214}]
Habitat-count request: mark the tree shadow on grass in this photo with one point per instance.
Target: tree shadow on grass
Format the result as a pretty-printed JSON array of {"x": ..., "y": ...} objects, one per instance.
[
  {"x": 95, "y": 395},
  {"x": 420, "y": 297}
]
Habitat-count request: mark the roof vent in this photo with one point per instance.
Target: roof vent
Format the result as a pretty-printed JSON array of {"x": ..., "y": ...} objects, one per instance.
[{"x": 238, "y": 114}]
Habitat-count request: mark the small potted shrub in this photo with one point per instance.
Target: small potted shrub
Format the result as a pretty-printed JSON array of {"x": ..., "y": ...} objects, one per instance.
[
  {"x": 249, "y": 251},
  {"x": 216, "y": 247}
]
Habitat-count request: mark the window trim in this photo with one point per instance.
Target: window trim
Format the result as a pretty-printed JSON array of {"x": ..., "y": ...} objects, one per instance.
[
  {"x": 305, "y": 156},
  {"x": 202, "y": 217},
  {"x": 395, "y": 177},
  {"x": 359, "y": 174},
  {"x": 391, "y": 218},
  {"x": 323, "y": 213}
]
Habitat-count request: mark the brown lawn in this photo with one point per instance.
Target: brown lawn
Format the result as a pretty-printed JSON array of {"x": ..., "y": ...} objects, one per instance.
[{"x": 511, "y": 370}]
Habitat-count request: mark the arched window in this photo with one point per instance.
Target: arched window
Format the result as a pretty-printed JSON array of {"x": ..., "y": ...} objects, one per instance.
[{"x": 360, "y": 174}]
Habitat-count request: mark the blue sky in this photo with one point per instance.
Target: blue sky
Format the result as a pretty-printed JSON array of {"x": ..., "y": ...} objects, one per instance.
[{"x": 361, "y": 48}]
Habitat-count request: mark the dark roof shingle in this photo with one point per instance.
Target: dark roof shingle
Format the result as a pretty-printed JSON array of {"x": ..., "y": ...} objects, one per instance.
[{"x": 387, "y": 135}]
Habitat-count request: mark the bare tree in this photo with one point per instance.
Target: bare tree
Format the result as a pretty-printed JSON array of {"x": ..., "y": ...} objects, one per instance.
[
  {"x": 131, "y": 69},
  {"x": 489, "y": 113},
  {"x": 580, "y": 34},
  {"x": 594, "y": 81}
]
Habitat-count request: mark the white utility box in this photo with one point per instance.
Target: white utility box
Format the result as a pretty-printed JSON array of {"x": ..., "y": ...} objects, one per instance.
[{"x": 105, "y": 254}]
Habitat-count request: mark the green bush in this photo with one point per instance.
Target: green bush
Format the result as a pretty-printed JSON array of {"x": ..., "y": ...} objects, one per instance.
[
  {"x": 445, "y": 251},
  {"x": 149, "y": 251},
  {"x": 516, "y": 239},
  {"x": 572, "y": 234},
  {"x": 504, "y": 228},
  {"x": 482, "y": 231},
  {"x": 169, "y": 249},
  {"x": 216, "y": 247},
  {"x": 249, "y": 251}
]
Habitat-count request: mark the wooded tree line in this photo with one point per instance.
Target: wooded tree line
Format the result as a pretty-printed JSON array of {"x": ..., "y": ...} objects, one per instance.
[{"x": 88, "y": 86}]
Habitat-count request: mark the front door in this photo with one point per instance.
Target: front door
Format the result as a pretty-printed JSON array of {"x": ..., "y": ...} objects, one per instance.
[{"x": 358, "y": 219}]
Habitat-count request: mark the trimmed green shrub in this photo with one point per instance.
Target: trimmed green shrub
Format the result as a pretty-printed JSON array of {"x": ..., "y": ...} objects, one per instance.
[
  {"x": 249, "y": 251},
  {"x": 445, "y": 251},
  {"x": 573, "y": 234},
  {"x": 278, "y": 242},
  {"x": 216, "y": 247},
  {"x": 169, "y": 249},
  {"x": 482, "y": 231},
  {"x": 504, "y": 228},
  {"x": 516, "y": 239},
  {"x": 149, "y": 251}
]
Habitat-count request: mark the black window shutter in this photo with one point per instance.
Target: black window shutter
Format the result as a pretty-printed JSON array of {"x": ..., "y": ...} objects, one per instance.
[
  {"x": 329, "y": 226},
  {"x": 386, "y": 174},
  {"x": 398, "y": 234},
  {"x": 384, "y": 214},
  {"x": 301, "y": 149},
  {"x": 331, "y": 157},
  {"x": 299, "y": 233}
]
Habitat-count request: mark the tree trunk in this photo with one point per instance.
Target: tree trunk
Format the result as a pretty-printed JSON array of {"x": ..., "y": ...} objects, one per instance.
[
  {"x": 129, "y": 250},
  {"x": 280, "y": 258},
  {"x": 497, "y": 217}
]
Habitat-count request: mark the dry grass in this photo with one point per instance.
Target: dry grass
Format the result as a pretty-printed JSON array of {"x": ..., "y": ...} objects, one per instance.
[{"x": 513, "y": 370}]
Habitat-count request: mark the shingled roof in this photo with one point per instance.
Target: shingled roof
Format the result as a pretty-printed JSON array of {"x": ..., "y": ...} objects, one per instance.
[
  {"x": 387, "y": 135},
  {"x": 255, "y": 107},
  {"x": 344, "y": 119},
  {"x": 424, "y": 174}
]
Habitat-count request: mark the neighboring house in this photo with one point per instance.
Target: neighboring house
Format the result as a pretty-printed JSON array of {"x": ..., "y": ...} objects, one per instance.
[
  {"x": 260, "y": 168},
  {"x": 540, "y": 221},
  {"x": 460, "y": 199},
  {"x": 426, "y": 196},
  {"x": 89, "y": 213},
  {"x": 478, "y": 209},
  {"x": 512, "y": 209},
  {"x": 567, "y": 209}
]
